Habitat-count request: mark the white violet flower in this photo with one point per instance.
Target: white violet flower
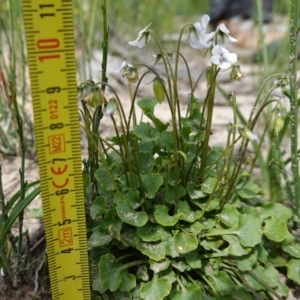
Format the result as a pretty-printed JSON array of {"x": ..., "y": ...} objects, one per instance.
[
  {"x": 224, "y": 32},
  {"x": 222, "y": 58},
  {"x": 128, "y": 71},
  {"x": 142, "y": 39},
  {"x": 198, "y": 37}
]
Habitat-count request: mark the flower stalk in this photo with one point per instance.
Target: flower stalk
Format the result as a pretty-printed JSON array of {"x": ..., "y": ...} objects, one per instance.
[{"x": 294, "y": 13}]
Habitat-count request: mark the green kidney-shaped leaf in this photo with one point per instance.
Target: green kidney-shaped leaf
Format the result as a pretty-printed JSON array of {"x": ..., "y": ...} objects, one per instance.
[
  {"x": 142, "y": 273},
  {"x": 130, "y": 235},
  {"x": 98, "y": 207},
  {"x": 195, "y": 192},
  {"x": 156, "y": 289},
  {"x": 104, "y": 180},
  {"x": 293, "y": 249},
  {"x": 147, "y": 104},
  {"x": 187, "y": 214},
  {"x": 192, "y": 292},
  {"x": 222, "y": 283},
  {"x": 247, "y": 189},
  {"x": 128, "y": 281},
  {"x": 246, "y": 262},
  {"x": 134, "y": 199},
  {"x": 150, "y": 232},
  {"x": 151, "y": 183},
  {"x": 235, "y": 248},
  {"x": 208, "y": 185},
  {"x": 192, "y": 228},
  {"x": 275, "y": 229},
  {"x": 146, "y": 133},
  {"x": 158, "y": 266},
  {"x": 229, "y": 216},
  {"x": 161, "y": 214},
  {"x": 276, "y": 210},
  {"x": 185, "y": 243},
  {"x": 294, "y": 270},
  {"x": 109, "y": 272},
  {"x": 193, "y": 260},
  {"x": 155, "y": 251},
  {"x": 99, "y": 238},
  {"x": 249, "y": 231},
  {"x": 130, "y": 216},
  {"x": 146, "y": 161},
  {"x": 157, "y": 122}
]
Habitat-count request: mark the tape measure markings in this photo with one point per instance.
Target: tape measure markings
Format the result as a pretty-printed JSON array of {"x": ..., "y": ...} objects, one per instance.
[{"x": 53, "y": 83}]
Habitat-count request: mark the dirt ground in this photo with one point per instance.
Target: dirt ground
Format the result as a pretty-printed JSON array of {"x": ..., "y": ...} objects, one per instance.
[{"x": 246, "y": 91}]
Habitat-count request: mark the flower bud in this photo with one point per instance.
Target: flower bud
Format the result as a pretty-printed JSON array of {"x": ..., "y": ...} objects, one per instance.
[
  {"x": 91, "y": 99},
  {"x": 95, "y": 98},
  {"x": 111, "y": 107},
  {"x": 277, "y": 119},
  {"x": 247, "y": 133},
  {"x": 235, "y": 73},
  {"x": 158, "y": 89},
  {"x": 132, "y": 75}
]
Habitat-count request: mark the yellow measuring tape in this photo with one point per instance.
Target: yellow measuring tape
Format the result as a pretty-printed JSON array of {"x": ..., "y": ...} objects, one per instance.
[{"x": 50, "y": 47}]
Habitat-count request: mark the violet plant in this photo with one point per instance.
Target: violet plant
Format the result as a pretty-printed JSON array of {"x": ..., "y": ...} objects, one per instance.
[{"x": 169, "y": 215}]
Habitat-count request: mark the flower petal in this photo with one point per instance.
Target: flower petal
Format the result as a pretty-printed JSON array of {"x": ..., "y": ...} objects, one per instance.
[
  {"x": 230, "y": 57},
  {"x": 215, "y": 59},
  {"x": 123, "y": 65},
  {"x": 205, "y": 20},
  {"x": 224, "y": 29},
  {"x": 224, "y": 64}
]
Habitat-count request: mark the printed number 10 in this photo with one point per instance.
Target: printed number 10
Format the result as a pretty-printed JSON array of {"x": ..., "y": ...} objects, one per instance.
[{"x": 48, "y": 44}]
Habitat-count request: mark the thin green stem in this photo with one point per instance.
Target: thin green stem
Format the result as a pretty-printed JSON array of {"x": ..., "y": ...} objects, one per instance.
[
  {"x": 104, "y": 44},
  {"x": 294, "y": 29},
  {"x": 261, "y": 37},
  {"x": 210, "y": 99}
]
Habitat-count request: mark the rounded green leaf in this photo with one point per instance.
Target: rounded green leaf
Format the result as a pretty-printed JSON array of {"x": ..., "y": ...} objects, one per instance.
[
  {"x": 190, "y": 293},
  {"x": 209, "y": 184},
  {"x": 187, "y": 214},
  {"x": 161, "y": 214},
  {"x": 192, "y": 229},
  {"x": 235, "y": 248},
  {"x": 142, "y": 273},
  {"x": 157, "y": 289},
  {"x": 151, "y": 184},
  {"x": 128, "y": 215},
  {"x": 98, "y": 207},
  {"x": 104, "y": 180},
  {"x": 128, "y": 281},
  {"x": 185, "y": 243},
  {"x": 158, "y": 266},
  {"x": 99, "y": 238},
  {"x": 276, "y": 210},
  {"x": 249, "y": 231},
  {"x": 222, "y": 283},
  {"x": 293, "y": 249},
  {"x": 150, "y": 232},
  {"x": 247, "y": 189},
  {"x": 246, "y": 262},
  {"x": 109, "y": 272},
  {"x": 193, "y": 260},
  {"x": 229, "y": 216},
  {"x": 155, "y": 251},
  {"x": 275, "y": 229},
  {"x": 294, "y": 270}
]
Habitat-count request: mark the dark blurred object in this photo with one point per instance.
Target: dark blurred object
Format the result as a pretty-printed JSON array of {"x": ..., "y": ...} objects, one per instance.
[{"x": 227, "y": 9}]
